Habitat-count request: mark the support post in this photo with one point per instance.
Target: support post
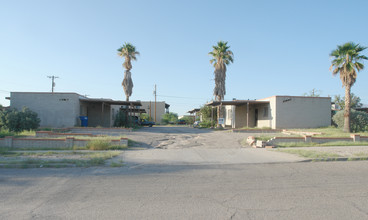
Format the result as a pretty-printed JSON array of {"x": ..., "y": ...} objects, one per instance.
[{"x": 247, "y": 114}]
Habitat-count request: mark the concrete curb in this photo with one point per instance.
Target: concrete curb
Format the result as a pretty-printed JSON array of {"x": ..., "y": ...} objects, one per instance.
[{"x": 331, "y": 159}]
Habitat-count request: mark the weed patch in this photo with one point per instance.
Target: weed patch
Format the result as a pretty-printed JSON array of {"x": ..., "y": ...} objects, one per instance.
[
  {"x": 84, "y": 159},
  {"x": 310, "y": 153}
]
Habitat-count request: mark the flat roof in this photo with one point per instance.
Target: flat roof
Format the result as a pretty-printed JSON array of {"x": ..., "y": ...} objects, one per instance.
[
  {"x": 290, "y": 96},
  {"x": 236, "y": 102},
  {"x": 194, "y": 110},
  {"x": 111, "y": 102},
  {"x": 134, "y": 110}
]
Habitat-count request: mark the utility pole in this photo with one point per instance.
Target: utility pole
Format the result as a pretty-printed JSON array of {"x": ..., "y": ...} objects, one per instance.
[
  {"x": 53, "y": 82},
  {"x": 150, "y": 115},
  {"x": 155, "y": 93}
]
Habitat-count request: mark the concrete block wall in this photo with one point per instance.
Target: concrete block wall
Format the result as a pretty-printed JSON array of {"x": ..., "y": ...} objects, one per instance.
[
  {"x": 54, "y": 109},
  {"x": 301, "y": 112},
  {"x": 11, "y": 142},
  {"x": 320, "y": 140},
  {"x": 50, "y": 134}
]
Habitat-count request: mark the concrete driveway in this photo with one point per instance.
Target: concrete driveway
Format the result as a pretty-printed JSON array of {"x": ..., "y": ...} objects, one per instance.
[{"x": 185, "y": 145}]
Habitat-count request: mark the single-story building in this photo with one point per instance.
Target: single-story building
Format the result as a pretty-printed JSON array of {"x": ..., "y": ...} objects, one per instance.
[
  {"x": 277, "y": 112},
  {"x": 60, "y": 110},
  {"x": 155, "y": 109}
]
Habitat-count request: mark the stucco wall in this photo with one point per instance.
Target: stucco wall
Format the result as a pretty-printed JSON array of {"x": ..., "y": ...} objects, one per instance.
[
  {"x": 301, "y": 112},
  {"x": 54, "y": 109},
  {"x": 264, "y": 115},
  {"x": 160, "y": 109}
]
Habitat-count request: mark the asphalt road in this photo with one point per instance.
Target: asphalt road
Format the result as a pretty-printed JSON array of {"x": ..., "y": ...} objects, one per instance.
[
  {"x": 185, "y": 173},
  {"x": 323, "y": 190}
]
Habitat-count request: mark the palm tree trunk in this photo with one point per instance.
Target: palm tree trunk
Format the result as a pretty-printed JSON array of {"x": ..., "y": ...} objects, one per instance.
[
  {"x": 219, "y": 115},
  {"x": 347, "y": 109}
]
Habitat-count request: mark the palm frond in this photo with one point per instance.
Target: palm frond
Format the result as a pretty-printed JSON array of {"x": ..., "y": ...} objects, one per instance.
[{"x": 346, "y": 62}]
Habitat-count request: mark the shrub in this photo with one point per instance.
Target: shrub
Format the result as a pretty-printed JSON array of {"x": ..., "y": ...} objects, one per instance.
[
  {"x": 358, "y": 120},
  {"x": 98, "y": 145},
  {"x": 169, "y": 118},
  {"x": 188, "y": 119},
  {"x": 18, "y": 121},
  {"x": 123, "y": 120},
  {"x": 207, "y": 124},
  {"x": 208, "y": 112}
]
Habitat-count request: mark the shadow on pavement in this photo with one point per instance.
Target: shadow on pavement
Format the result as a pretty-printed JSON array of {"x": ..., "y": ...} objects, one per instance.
[{"x": 174, "y": 130}]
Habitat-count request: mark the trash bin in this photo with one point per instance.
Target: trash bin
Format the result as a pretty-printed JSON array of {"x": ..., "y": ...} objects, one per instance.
[{"x": 84, "y": 121}]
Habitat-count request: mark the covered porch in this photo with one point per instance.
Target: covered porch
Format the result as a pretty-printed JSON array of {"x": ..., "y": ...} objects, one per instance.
[
  {"x": 244, "y": 113},
  {"x": 100, "y": 112}
]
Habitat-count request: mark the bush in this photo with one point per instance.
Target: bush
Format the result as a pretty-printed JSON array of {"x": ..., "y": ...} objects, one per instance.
[
  {"x": 18, "y": 121},
  {"x": 208, "y": 112},
  {"x": 123, "y": 120},
  {"x": 358, "y": 120},
  {"x": 188, "y": 120},
  {"x": 98, "y": 145},
  {"x": 169, "y": 118},
  {"x": 145, "y": 116},
  {"x": 207, "y": 124}
]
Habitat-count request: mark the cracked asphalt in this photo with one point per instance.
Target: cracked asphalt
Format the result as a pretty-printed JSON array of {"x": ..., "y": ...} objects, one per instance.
[
  {"x": 195, "y": 188},
  {"x": 182, "y": 145},
  {"x": 323, "y": 190}
]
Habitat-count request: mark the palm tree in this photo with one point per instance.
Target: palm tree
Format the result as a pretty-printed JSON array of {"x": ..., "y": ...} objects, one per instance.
[
  {"x": 128, "y": 52},
  {"x": 222, "y": 57},
  {"x": 346, "y": 62}
]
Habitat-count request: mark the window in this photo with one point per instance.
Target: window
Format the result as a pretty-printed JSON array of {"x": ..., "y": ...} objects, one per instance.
[{"x": 265, "y": 112}]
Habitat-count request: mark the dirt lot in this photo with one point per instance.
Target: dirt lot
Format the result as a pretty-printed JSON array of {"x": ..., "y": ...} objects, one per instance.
[
  {"x": 176, "y": 145},
  {"x": 175, "y": 137}
]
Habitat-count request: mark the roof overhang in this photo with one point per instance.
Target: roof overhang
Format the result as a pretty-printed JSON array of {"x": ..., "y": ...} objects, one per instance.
[
  {"x": 111, "y": 102},
  {"x": 236, "y": 102},
  {"x": 134, "y": 110},
  {"x": 194, "y": 110}
]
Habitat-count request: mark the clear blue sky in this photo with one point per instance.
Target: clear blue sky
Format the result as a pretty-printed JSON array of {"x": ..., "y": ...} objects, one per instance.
[{"x": 280, "y": 47}]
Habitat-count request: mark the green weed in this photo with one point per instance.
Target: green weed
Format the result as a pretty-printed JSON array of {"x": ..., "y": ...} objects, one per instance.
[{"x": 310, "y": 153}]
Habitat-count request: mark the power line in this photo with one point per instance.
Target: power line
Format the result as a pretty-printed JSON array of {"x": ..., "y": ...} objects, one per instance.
[
  {"x": 179, "y": 97},
  {"x": 53, "y": 83}
]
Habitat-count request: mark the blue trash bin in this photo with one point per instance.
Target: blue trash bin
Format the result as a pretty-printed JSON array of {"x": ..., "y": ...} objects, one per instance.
[{"x": 84, "y": 121}]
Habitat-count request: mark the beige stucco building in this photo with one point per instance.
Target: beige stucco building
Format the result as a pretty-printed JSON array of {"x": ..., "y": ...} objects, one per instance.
[
  {"x": 155, "y": 110},
  {"x": 277, "y": 112},
  {"x": 59, "y": 110}
]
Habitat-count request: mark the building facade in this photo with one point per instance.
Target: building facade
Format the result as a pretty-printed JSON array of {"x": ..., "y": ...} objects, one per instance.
[
  {"x": 277, "y": 112},
  {"x": 60, "y": 110}
]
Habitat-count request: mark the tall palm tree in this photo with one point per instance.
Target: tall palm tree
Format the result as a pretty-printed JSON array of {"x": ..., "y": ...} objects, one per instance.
[
  {"x": 346, "y": 62},
  {"x": 222, "y": 57},
  {"x": 129, "y": 53}
]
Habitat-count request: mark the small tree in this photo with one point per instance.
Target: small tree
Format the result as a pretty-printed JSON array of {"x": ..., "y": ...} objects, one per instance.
[
  {"x": 208, "y": 113},
  {"x": 169, "y": 118},
  {"x": 18, "y": 121},
  {"x": 354, "y": 103},
  {"x": 145, "y": 116},
  {"x": 358, "y": 120},
  {"x": 188, "y": 119}
]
